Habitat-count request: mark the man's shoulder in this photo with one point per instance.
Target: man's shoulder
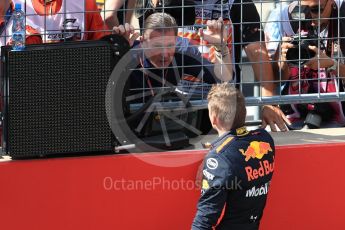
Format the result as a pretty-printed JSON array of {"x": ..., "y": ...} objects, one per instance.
[
  {"x": 258, "y": 135},
  {"x": 255, "y": 140}
]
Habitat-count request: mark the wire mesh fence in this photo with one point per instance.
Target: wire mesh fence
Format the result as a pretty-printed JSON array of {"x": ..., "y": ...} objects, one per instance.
[{"x": 268, "y": 43}]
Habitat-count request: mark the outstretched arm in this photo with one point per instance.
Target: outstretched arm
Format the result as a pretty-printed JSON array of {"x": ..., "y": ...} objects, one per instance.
[
  {"x": 111, "y": 8},
  {"x": 248, "y": 33},
  {"x": 263, "y": 72},
  {"x": 217, "y": 35}
]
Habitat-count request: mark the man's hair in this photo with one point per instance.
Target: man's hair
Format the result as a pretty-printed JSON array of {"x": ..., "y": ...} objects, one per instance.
[
  {"x": 160, "y": 21},
  {"x": 228, "y": 105}
]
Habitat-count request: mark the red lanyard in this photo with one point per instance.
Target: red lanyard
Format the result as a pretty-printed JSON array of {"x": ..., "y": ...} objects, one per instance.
[{"x": 148, "y": 80}]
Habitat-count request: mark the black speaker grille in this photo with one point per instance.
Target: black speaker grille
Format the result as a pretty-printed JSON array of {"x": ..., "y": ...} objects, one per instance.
[{"x": 56, "y": 102}]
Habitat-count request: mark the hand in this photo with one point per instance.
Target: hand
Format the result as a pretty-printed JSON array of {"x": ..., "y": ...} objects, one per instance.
[
  {"x": 217, "y": 32},
  {"x": 280, "y": 57},
  {"x": 284, "y": 48},
  {"x": 321, "y": 60},
  {"x": 127, "y": 31},
  {"x": 273, "y": 116}
]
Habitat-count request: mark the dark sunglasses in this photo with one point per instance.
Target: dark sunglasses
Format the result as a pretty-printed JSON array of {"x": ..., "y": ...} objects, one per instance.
[{"x": 315, "y": 9}]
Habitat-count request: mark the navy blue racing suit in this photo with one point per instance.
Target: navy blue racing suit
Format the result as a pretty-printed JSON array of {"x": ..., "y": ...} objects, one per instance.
[{"x": 236, "y": 177}]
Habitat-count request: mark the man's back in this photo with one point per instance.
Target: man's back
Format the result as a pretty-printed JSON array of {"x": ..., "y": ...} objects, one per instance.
[{"x": 237, "y": 173}]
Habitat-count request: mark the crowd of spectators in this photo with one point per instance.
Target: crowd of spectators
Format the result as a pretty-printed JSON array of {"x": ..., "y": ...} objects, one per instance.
[
  {"x": 307, "y": 44},
  {"x": 51, "y": 21}
]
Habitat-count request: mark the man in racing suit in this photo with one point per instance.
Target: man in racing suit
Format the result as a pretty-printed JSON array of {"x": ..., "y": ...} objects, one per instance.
[{"x": 238, "y": 169}]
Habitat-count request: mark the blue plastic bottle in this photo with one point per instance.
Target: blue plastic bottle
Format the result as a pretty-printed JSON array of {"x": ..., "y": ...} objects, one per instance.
[{"x": 18, "y": 28}]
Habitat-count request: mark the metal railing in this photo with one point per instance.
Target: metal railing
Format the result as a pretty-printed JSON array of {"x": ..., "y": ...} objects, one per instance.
[{"x": 263, "y": 8}]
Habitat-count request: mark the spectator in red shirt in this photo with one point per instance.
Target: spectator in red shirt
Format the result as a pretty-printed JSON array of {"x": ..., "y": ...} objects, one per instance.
[{"x": 90, "y": 27}]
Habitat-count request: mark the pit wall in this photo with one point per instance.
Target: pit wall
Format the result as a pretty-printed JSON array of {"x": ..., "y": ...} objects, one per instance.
[{"x": 158, "y": 191}]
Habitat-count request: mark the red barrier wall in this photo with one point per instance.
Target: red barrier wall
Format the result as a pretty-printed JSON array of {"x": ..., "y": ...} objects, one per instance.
[{"x": 127, "y": 192}]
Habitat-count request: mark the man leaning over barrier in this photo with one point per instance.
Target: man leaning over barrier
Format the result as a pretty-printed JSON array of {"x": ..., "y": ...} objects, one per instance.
[
  {"x": 159, "y": 44},
  {"x": 163, "y": 65},
  {"x": 247, "y": 35}
]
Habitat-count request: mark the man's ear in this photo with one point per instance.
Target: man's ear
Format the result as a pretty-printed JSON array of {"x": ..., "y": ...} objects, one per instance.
[{"x": 213, "y": 119}]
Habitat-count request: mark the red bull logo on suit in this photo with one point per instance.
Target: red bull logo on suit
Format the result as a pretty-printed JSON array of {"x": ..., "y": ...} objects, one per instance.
[
  {"x": 265, "y": 169},
  {"x": 256, "y": 149}
]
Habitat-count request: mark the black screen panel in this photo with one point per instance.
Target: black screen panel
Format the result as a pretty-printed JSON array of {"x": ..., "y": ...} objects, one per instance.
[{"x": 55, "y": 99}]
